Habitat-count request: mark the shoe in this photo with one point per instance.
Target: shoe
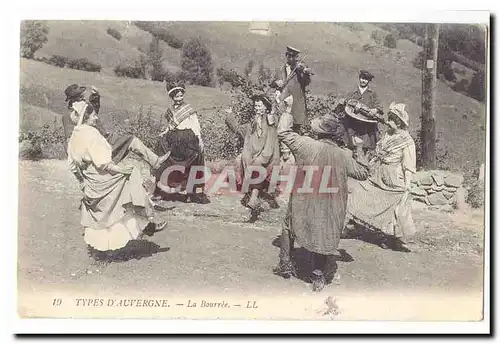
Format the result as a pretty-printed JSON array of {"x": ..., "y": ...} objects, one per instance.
[
  {"x": 285, "y": 270},
  {"x": 150, "y": 229},
  {"x": 318, "y": 281},
  {"x": 245, "y": 199},
  {"x": 201, "y": 198},
  {"x": 273, "y": 204},
  {"x": 383, "y": 245}
]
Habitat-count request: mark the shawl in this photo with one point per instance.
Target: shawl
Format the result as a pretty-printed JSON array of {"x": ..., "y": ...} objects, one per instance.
[{"x": 389, "y": 146}]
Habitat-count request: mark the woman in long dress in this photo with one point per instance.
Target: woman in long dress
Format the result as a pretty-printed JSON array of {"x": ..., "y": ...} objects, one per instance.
[
  {"x": 115, "y": 207},
  {"x": 383, "y": 202},
  {"x": 182, "y": 138}
]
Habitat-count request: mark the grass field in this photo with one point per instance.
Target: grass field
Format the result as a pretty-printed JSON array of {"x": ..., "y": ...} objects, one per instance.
[{"x": 336, "y": 52}]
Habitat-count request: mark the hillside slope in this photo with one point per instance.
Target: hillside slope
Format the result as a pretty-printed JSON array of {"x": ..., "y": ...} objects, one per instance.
[
  {"x": 42, "y": 87},
  {"x": 89, "y": 39},
  {"x": 336, "y": 52}
]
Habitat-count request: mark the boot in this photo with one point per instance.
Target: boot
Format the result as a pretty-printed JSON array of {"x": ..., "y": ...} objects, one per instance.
[
  {"x": 253, "y": 203},
  {"x": 285, "y": 269},
  {"x": 318, "y": 280}
]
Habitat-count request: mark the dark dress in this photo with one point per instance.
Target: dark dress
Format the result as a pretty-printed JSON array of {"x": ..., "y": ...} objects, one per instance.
[{"x": 185, "y": 152}]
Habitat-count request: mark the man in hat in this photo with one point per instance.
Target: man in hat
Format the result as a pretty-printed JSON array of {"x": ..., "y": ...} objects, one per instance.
[
  {"x": 260, "y": 149},
  {"x": 364, "y": 126},
  {"x": 294, "y": 80},
  {"x": 316, "y": 213}
]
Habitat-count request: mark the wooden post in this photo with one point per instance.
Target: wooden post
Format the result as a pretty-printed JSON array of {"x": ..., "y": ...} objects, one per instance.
[{"x": 429, "y": 69}]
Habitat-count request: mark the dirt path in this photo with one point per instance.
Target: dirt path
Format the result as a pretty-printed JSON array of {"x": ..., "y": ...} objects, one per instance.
[{"x": 211, "y": 248}]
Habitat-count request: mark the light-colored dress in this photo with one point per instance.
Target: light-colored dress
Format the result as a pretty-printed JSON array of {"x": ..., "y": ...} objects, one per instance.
[
  {"x": 382, "y": 202},
  {"x": 112, "y": 205}
]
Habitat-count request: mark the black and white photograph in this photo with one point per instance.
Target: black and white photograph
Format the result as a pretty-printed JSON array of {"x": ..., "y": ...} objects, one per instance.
[{"x": 253, "y": 170}]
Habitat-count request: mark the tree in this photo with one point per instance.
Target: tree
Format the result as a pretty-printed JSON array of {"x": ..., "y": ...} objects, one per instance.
[
  {"x": 33, "y": 37},
  {"x": 155, "y": 59},
  {"x": 196, "y": 64},
  {"x": 249, "y": 68}
]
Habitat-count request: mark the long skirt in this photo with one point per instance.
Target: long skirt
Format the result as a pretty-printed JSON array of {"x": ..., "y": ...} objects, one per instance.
[
  {"x": 382, "y": 210},
  {"x": 114, "y": 209},
  {"x": 185, "y": 156}
]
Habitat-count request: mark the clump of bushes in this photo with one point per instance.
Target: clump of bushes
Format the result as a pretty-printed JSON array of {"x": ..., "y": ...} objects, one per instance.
[
  {"x": 475, "y": 195},
  {"x": 33, "y": 37},
  {"x": 58, "y": 61},
  {"x": 136, "y": 70},
  {"x": 160, "y": 33},
  {"x": 476, "y": 87},
  {"x": 84, "y": 64},
  {"x": 114, "y": 33},
  {"x": 48, "y": 142},
  {"x": 378, "y": 36},
  {"x": 230, "y": 76},
  {"x": 390, "y": 41}
]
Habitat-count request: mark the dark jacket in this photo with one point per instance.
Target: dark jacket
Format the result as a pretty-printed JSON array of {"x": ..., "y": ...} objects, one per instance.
[
  {"x": 297, "y": 88},
  {"x": 368, "y": 132}
]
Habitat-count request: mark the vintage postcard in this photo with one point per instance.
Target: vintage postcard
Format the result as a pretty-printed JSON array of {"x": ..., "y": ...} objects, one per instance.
[{"x": 254, "y": 170}]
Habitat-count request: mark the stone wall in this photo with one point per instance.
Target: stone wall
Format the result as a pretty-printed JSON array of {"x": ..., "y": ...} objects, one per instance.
[{"x": 438, "y": 188}]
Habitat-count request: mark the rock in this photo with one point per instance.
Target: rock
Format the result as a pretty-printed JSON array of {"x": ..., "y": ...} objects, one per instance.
[
  {"x": 418, "y": 191},
  {"x": 438, "y": 179},
  {"x": 454, "y": 179},
  {"x": 450, "y": 189},
  {"x": 425, "y": 179},
  {"x": 448, "y": 194},
  {"x": 430, "y": 191},
  {"x": 437, "y": 188},
  {"x": 437, "y": 199},
  {"x": 447, "y": 208},
  {"x": 421, "y": 199}
]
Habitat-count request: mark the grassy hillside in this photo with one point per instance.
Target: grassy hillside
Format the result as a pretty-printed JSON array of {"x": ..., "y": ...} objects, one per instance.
[
  {"x": 42, "y": 94},
  {"x": 89, "y": 39},
  {"x": 336, "y": 52}
]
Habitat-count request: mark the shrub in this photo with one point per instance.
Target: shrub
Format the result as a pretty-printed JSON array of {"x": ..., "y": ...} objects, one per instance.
[
  {"x": 145, "y": 127},
  {"x": 58, "y": 61},
  {"x": 230, "y": 76},
  {"x": 390, "y": 41},
  {"x": 33, "y": 37},
  {"x": 476, "y": 87},
  {"x": 114, "y": 33},
  {"x": 160, "y": 33},
  {"x": 461, "y": 86},
  {"x": 135, "y": 71},
  {"x": 48, "y": 142},
  {"x": 84, "y": 64},
  {"x": 378, "y": 36},
  {"x": 475, "y": 196},
  {"x": 155, "y": 61},
  {"x": 248, "y": 68},
  {"x": 441, "y": 154},
  {"x": 197, "y": 67}
]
